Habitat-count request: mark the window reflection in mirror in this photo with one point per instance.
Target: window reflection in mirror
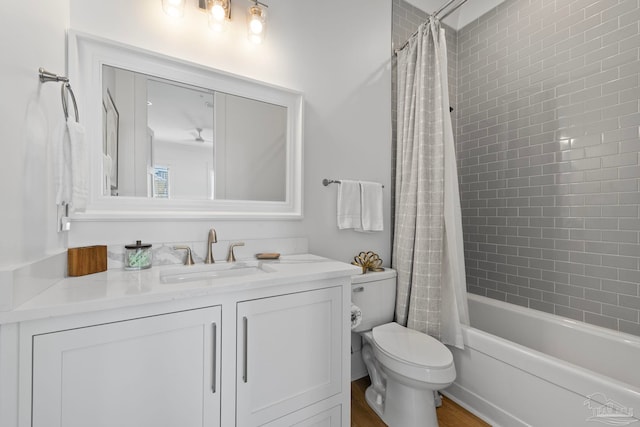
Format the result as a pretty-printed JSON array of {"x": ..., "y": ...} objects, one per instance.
[{"x": 164, "y": 139}]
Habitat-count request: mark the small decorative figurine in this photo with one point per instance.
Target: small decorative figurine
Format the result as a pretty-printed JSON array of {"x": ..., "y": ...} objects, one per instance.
[{"x": 368, "y": 261}]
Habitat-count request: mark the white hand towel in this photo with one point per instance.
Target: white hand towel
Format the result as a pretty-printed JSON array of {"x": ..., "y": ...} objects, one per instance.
[
  {"x": 371, "y": 206},
  {"x": 349, "y": 213},
  {"x": 62, "y": 165},
  {"x": 70, "y": 155},
  {"x": 79, "y": 167}
]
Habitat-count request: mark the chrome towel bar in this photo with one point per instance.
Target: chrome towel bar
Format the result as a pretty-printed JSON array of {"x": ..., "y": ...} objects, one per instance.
[{"x": 326, "y": 182}]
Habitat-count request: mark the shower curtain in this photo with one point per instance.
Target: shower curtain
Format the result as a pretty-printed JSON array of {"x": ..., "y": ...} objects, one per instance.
[{"x": 427, "y": 247}]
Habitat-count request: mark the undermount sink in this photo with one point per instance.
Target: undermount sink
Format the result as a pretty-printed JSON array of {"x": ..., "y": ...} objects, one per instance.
[{"x": 212, "y": 271}]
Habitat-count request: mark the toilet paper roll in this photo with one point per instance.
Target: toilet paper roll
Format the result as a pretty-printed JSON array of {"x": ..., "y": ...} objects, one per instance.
[{"x": 356, "y": 316}]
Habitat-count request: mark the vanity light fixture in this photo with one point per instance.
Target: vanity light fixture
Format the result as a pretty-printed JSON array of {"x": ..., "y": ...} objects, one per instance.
[
  {"x": 219, "y": 11},
  {"x": 173, "y": 8},
  {"x": 257, "y": 22},
  {"x": 219, "y": 15}
]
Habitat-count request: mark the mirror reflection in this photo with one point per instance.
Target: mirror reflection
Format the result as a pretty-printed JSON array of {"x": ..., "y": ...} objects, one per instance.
[{"x": 164, "y": 139}]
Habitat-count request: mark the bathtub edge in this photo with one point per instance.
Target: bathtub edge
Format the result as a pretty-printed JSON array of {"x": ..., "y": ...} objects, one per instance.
[{"x": 481, "y": 408}]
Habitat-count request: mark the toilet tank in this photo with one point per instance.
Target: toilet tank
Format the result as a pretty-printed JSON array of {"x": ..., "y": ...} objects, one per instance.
[{"x": 375, "y": 295}]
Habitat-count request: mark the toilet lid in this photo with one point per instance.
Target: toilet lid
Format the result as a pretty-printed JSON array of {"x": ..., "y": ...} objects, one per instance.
[{"x": 412, "y": 346}]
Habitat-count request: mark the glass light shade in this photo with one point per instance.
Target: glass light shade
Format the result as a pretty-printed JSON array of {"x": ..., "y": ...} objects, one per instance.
[
  {"x": 217, "y": 11},
  {"x": 256, "y": 24},
  {"x": 218, "y": 15},
  {"x": 173, "y": 8}
]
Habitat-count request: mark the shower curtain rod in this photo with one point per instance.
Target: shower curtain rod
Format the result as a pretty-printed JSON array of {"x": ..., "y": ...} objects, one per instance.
[
  {"x": 453, "y": 9},
  {"x": 434, "y": 14}
]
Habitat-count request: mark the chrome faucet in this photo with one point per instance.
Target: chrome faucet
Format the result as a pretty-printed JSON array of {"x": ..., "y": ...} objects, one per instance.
[
  {"x": 213, "y": 238},
  {"x": 231, "y": 257}
]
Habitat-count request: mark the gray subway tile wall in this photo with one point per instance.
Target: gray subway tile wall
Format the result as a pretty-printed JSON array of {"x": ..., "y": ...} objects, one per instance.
[
  {"x": 547, "y": 121},
  {"x": 548, "y": 149}
]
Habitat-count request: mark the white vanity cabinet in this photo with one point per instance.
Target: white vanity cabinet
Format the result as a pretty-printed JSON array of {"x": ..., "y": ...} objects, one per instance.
[
  {"x": 289, "y": 354},
  {"x": 161, "y": 370},
  {"x": 126, "y": 349}
]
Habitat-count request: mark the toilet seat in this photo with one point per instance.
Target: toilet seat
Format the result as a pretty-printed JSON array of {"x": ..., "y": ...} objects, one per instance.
[
  {"x": 412, "y": 346},
  {"x": 413, "y": 354}
]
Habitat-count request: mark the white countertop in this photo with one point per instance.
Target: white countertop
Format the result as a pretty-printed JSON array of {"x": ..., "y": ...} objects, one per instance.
[{"x": 119, "y": 288}]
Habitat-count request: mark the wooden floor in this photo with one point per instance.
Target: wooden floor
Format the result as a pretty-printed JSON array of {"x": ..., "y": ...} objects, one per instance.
[{"x": 449, "y": 414}]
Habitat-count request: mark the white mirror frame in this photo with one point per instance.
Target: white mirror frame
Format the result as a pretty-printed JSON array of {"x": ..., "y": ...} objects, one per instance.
[{"x": 87, "y": 55}]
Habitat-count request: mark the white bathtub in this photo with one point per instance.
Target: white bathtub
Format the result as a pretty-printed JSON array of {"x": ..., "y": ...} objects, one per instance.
[{"x": 522, "y": 367}]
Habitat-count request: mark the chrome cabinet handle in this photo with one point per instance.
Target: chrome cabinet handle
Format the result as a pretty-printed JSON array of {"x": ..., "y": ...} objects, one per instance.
[
  {"x": 358, "y": 289},
  {"x": 214, "y": 366},
  {"x": 245, "y": 328}
]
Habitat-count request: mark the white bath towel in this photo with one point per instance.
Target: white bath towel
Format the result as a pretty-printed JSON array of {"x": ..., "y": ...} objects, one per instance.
[
  {"x": 71, "y": 169},
  {"x": 371, "y": 207},
  {"x": 349, "y": 213}
]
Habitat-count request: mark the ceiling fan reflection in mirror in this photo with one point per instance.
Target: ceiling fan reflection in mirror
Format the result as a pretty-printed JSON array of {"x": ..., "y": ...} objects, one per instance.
[
  {"x": 199, "y": 138},
  {"x": 199, "y": 135}
]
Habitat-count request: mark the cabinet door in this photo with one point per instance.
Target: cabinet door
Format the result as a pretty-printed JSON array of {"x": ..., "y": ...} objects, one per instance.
[
  {"x": 289, "y": 353},
  {"x": 154, "y": 371}
]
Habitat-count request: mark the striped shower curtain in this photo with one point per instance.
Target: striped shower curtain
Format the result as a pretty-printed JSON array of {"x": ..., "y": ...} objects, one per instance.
[{"x": 428, "y": 246}]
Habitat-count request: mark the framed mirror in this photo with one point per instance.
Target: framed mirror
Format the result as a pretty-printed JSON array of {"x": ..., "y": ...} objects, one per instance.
[{"x": 172, "y": 139}]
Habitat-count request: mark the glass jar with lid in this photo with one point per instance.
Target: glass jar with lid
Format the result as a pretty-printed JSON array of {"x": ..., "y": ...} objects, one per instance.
[{"x": 137, "y": 256}]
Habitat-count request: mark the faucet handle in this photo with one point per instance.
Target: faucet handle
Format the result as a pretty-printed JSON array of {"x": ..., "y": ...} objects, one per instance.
[
  {"x": 231, "y": 257},
  {"x": 189, "y": 259}
]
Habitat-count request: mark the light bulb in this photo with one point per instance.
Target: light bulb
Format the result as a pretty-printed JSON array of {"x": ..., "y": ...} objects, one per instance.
[
  {"x": 255, "y": 25},
  {"x": 217, "y": 11}
]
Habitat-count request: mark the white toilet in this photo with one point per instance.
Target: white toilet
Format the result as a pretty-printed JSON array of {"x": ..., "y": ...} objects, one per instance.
[{"x": 406, "y": 367}]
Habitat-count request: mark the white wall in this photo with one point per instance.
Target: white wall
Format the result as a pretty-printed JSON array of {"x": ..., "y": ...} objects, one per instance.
[
  {"x": 337, "y": 53},
  {"x": 30, "y": 37}
]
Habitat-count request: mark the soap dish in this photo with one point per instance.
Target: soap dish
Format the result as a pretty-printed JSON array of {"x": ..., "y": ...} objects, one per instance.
[{"x": 268, "y": 255}]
